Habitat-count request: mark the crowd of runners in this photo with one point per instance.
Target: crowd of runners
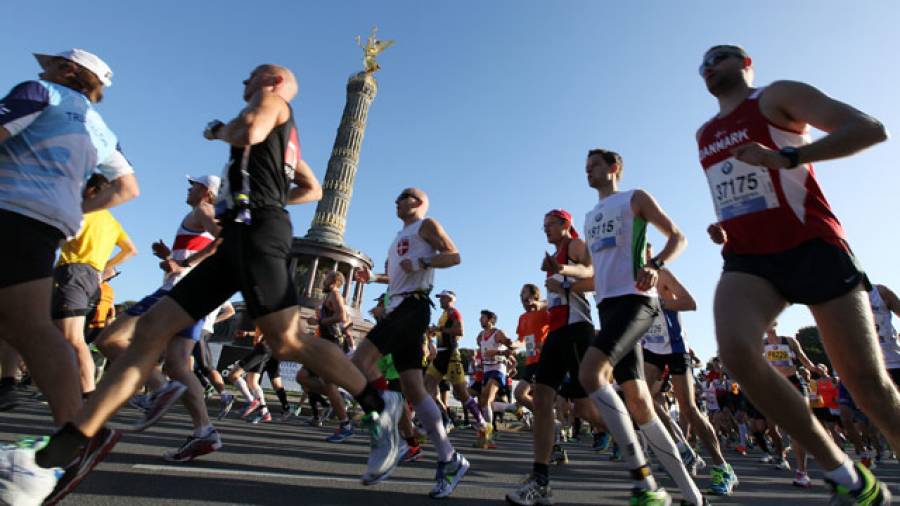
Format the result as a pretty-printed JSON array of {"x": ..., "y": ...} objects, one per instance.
[{"x": 628, "y": 377}]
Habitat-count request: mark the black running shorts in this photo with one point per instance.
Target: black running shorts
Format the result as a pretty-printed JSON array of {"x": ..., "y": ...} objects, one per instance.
[
  {"x": 812, "y": 273},
  {"x": 29, "y": 249},
  {"x": 252, "y": 259},
  {"x": 402, "y": 332},
  {"x": 255, "y": 361},
  {"x": 679, "y": 363},
  {"x": 561, "y": 354},
  {"x": 623, "y": 322},
  {"x": 75, "y": 288}
]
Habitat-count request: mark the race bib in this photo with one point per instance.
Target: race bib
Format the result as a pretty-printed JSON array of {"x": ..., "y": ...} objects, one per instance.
[
  {"x": 530, "y": 348},
  {"x": 605, "y": 232},
  {"x": 778, "y": 358},
  {"x": 739, "y": 189},
  {"x": 656, "y": 334}
]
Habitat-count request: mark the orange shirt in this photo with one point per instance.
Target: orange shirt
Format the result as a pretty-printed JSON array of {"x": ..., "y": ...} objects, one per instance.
[
  {"x": 532, "y": 330},
  {"x": 828, "y": 392},
  {"x": 105, "y": 307}
]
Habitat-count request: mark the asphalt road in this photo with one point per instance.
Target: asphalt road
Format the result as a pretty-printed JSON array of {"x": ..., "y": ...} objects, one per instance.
[{"x": 289, "y": 463}]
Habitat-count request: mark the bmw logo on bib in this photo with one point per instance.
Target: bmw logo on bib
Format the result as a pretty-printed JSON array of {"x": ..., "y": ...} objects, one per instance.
[{"x": 727, "y": 167}]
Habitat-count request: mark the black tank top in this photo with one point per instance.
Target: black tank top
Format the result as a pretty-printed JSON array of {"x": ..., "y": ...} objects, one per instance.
[
  {"x": 263, "y": 172},
  {"x": 332, "y": 332}
]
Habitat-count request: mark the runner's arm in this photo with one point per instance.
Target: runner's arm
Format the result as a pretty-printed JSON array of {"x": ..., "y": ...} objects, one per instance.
[
  {"x": 18, "y": 109},
  {"x": 455, "y": 330},
  {"x": 794, "y": 105},
  {"x": 801, "y": 356},
  {"x": 121, "y": 190},
  {"x": 890, "y": 299},
  {"x": 226, "y": 312},
  {"x": 578, "y": 252},
  {"x": 255, "y": 122},
  {"x": 677, "y": 297},
  {"x": 644, "y": 205},
  {"x": 340, "y": 311},
  {"x": 127, "y": 249},
  {"x": 307, "y": 187},
  {"x": 435, "y": 235},
  {"x": 205, "y": 213}
]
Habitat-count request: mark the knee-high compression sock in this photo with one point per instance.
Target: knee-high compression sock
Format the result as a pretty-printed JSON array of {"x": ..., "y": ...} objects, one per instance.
[
  {"x": 430, "y": 416},
  {"x": 282, "y": 398},
  {"x": 261, "y": 395},
  {"x": 472, "y": 407},
  {"x": 665, "y": 450},
  {"x": 620, "y": 426},
  {"x": 241, "y": 383}
]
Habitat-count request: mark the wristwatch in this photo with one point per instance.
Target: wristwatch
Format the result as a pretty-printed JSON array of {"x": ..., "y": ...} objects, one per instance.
[
  {"x": 792, "y": 155},
  {"x": 566, "y": 284},
  {"x": 656, "y": 263},
  {"x": 424, "y": 262}
]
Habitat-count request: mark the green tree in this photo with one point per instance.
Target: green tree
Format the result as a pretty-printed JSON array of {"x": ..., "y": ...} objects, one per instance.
[{"x": 811, "y": 343}]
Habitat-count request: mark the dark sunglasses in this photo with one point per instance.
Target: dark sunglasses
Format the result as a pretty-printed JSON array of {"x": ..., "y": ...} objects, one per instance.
[
  {"x": 405, "y": 195},
  {"x": 714, "y": 59}
]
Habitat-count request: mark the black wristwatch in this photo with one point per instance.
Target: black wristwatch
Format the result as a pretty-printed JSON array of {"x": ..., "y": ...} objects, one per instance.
[
  {"x": 656, "y": 263},
  {"x": 792, "y": 155}
]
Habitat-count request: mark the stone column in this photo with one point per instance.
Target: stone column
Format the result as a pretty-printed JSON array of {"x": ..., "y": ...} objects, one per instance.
[{"x": 330, "y": 219}]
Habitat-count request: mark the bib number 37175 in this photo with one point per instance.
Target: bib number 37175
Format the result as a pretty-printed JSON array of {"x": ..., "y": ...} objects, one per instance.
[{"x": 739, "y": 189}]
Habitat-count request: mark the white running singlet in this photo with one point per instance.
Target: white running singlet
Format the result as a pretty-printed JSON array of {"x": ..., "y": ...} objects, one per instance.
[
  {"x": 617, "y": 240},
  {"x": 887, "y": 335},
  {"x": 408, "y": 245},
  {"x": 497, "y": 362},
  {"x": 666, "y": 335}
]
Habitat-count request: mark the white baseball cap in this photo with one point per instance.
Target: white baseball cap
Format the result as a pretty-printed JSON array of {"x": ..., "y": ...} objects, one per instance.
[
  {"x": 87, "y": 60},
  {"x": 446, "y": 293},
  {"x": 211, "y": 183}
]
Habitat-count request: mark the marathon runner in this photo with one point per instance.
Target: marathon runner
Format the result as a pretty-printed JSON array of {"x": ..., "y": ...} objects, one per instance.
[
  {"x": 41, "y": 204},
  {"x": 532, "y": 329},
  {"x": 253, "y": 258},
  {"x": 421, "y": 246},
  {"x": 782, "y": 244},
  {"x": 495, "y": 349},
  {"x": 884, "y": 303}
]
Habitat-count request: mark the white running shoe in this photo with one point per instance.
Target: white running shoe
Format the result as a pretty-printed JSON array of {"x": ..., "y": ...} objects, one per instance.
[
  {"x": 22, "y": 481},
  {"x": 384, "y": 439},
  {"x": 448, "y": 476}
]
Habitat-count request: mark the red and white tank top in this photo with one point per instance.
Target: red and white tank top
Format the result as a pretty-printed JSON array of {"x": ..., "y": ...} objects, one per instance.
[
  {"x": 487, "y": 342},
  {"x": 187, "y": 243},
  {"x": 763, "y": 211},
  {"x": 570, "y": 307}
]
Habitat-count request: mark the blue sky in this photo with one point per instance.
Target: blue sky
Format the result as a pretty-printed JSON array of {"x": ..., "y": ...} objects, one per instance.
[{"x": 488, "y": 106}]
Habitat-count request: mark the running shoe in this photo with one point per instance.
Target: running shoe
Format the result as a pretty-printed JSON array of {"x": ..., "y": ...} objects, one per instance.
[
  {"x": 692, "y": 461},
  {"x": 250, "y": 407},
  {"x": 802, "y": 480},
  {"x": 8, "y": 399},
  {"x": 559, "y": 456},
  {"x": 530, "y": 493},
  {"x": 292, "y": 410},
  {"x": 195, "y": 447},
  {"x": 723, "y": 480},
  {"x": 344, "y": 431},
  {"x": 314, "y": 422},
  {"x": 91, "y": 454},
  {"x": 601, "y": 442},
  {"x": 767, "y": 459},
  {"x": 528, "y": 420},
  {"x": 742, "y": 449},
  {"x": 326, "y": 413},
  {"x": 383, "y": 439},
  {"x": 871, "y": 493},
  {"x": 227, "y": 403},
  {"x": 448, "y": 476},
  {"x": 412, "y": 454},
  {"x": 644, "y": 497},
  {"x": 140, "y": 402},
  {"x": 261, "y": 417},
  {"x": 616, "y": 454},
  {"x": 783, "y": 464},
  {"x": 160, "y": 402},
  {"x": 866, "y": 460},
  {"x": 22, "y": 481}
]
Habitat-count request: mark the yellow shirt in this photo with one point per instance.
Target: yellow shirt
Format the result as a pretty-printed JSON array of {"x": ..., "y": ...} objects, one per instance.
[{"x": 94, "y": 243}]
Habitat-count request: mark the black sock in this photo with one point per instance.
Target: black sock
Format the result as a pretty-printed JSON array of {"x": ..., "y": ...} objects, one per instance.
[
  {"x": 282, "y": 398},
  {"x": 541, "y": 473},
  {"x": 62, "y": 448},
  {"x": 370, "y": 399},
  {"x": 314, "y": 401},
  {"x": 761, "y": 441}
]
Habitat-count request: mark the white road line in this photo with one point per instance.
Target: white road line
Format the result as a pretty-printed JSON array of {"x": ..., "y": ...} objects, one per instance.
[{"x": 343, "y": 479}]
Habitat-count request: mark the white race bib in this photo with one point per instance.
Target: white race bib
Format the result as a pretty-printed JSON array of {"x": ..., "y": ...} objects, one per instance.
[
  {"x": 605, "y": 232},
  {"x": 739, "y": 188},
  {"x": 530, "y": 350}
]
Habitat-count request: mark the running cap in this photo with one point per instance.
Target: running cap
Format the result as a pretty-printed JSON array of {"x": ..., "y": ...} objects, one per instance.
[
  {"x": 446, "y": 293},
  {"x": 87, "y": 60},
  {"x": 211, "y": 183},
  {"x": 729, "y": 47},
  {"x": 565, "y": 216}
]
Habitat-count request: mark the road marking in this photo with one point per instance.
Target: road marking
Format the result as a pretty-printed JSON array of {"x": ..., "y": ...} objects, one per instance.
[{"x": 174, "y": 469}]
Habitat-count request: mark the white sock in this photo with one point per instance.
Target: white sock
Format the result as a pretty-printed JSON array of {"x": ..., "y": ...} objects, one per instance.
[
  {"x": 620, "y": 426},
  {"x": 203, "y": 430},
  {"x": 430, "y": 417},
  {"x": 664, "y": 448},
  {"x": 241, "y": 383},
  {"x": 845, "y": 475},
  {"x": 261, "y": 395}
]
